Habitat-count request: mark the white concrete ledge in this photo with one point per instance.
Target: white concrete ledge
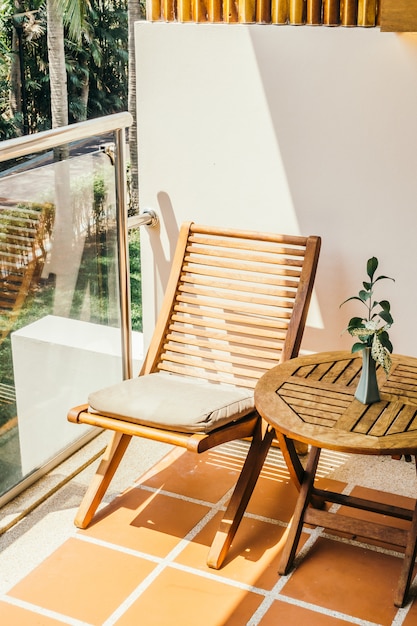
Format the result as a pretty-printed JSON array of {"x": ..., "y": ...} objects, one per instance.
[{"x": 57, "y": 363}]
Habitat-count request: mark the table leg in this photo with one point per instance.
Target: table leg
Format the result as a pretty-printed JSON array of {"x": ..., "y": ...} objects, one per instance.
[
  {"x": 409, "y": 559},
  {"x": 291, "y": 459},
  {"x": 297, "y": 521}
]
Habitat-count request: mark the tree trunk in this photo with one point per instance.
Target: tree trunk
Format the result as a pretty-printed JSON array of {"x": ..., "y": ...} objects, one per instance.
[
  {"x": 85, "y": 91},
  {"x": 57, "y": 71},
  {"x": 15, "y": 96},
  {"x": 15, "y": 78},
  {"x": 134, "y": 14}
]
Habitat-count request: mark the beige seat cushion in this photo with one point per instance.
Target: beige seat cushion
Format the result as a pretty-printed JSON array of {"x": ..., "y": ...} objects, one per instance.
[{"x": 173, "y": 402}]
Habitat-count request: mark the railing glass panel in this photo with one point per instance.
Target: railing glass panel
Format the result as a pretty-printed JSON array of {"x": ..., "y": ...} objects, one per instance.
[{"x": 60, "y": 310}]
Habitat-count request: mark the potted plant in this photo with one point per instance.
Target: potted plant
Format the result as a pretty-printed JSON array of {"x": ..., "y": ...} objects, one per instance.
[{"x": 371, "y": 332}]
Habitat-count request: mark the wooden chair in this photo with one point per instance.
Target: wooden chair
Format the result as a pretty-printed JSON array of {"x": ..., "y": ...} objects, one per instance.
[{"x": 235, "y": 305}]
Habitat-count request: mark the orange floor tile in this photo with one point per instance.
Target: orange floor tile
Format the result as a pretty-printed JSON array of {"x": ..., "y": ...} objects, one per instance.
[{"x": 141, "y": 562}]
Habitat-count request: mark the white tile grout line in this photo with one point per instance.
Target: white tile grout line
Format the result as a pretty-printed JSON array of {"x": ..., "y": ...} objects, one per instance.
[
  {"x": 34, "y": 608},
  {"x": 167, "y": 560},
  {"x": 269, "y": 596}
]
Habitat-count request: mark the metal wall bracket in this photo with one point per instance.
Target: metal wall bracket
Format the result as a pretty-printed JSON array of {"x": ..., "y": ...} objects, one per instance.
[{"x": 148, "y": 217}]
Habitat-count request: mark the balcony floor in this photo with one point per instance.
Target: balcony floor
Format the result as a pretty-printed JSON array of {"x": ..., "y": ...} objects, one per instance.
[{"x": 142, "y": 560}]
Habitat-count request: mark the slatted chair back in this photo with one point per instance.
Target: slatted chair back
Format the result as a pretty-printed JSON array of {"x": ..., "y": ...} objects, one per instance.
[{"x": 235, "y": 306}]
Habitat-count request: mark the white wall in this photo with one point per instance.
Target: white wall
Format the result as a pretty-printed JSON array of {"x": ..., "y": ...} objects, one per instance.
[{"x": 292, "y": 129}]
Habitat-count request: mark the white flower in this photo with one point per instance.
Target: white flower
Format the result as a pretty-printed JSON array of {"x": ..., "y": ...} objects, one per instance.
[
  {"x": 381, "y": 354},
  {"x": 371, "y": 325}
]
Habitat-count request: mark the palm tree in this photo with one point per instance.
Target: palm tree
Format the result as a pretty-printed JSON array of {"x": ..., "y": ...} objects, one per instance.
[
  {"x": 136, "y": 11},
  {"x": 57, "y": 70}
]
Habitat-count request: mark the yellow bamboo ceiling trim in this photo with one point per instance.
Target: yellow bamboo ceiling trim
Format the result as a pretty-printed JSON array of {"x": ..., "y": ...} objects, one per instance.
[{"x": 363, "y": 13}]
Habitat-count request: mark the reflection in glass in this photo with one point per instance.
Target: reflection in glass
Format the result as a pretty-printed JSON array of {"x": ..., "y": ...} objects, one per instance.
[{"x": 58, "y": 258}]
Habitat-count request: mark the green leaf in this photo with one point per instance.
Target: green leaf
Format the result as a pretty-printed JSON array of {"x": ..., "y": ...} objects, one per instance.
[
  {"x": 385, "y": 340},
  {"x": 387, "y": 317},
  {"x": 371, "y": 266},
  {"x": 364, "y": 295},
  {"x": 351, "y": 298},
  {"x": 385, "y": 305},
  {"x": 383, "y": 278},
  {"x": 358, "y": 346},
  {"x": 368, "y": 286},
  {"x": 355, "y": 322}
]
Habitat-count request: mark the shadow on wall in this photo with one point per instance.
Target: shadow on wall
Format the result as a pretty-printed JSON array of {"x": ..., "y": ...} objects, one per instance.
[
  {"x": 162, "y": 255},
  {"x": 345, "y": 126}
]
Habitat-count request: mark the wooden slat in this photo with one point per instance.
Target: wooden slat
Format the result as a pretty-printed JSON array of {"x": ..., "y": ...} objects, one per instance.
[
  {"x": 331, "y": 12},
  {"x": 153, "y": 10},
  {"x": 234, "y": 234},
  {"x": 369, "y": 417},
  {"x": 282, "y": 311},
  {"x": 279, "y": 11},
  {"x": 221, "y": 332},
  {"x": 246, "y": 11},
  {"x": 229, "y": 260},
  {"x": 367, "y": 12},
  {"x": 283, "y": 246},
  {"x": 314, "y": 15},
  {"x": 263, "y": 256},
  {"x": 199, "y": 11},
  {"x": 210, "y": 355},
  {"x": 349, "y": 12},
  {"x": 228, "y": 281},
  {"x": 297, "y": 12},
  {"x": 273, "y": 333},
  {"x": 351, "y": 372},
  {"x": 237, "y": 292},
  {"x": 210, "y": 376},
  {"x": 263, "y": 11},
  {"x": 184, "y": 10},
  {"x": 195, "y": 368},
  {"x": 214, "y": 10},
  {"x": 403, "y": 421},
  {"x": 357, "y": 527},
  {"x": 230, "y": 11},
  {"x": 227, "y": 346},
  {"x": 266, "y": 278},
  {"x": 386, "y": 419},
  {"x": 237, "y": 321}
]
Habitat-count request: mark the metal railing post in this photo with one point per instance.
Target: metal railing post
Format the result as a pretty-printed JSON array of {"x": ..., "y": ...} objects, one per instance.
[{"x": 123, "y": 250}]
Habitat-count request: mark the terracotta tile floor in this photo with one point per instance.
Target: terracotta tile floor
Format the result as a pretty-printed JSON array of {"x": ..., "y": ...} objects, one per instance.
[{"x": 142, "y": 560}]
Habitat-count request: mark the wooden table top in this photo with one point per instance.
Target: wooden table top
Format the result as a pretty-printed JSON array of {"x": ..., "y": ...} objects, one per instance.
[{"x": 311, "y": 399}]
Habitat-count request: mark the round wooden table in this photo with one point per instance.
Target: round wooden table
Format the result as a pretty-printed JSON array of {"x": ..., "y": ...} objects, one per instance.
[{"x": 311, "y": 399}]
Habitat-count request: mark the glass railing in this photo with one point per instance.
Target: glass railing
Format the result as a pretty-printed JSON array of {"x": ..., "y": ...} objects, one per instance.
[{"x": 65, "y": 324}]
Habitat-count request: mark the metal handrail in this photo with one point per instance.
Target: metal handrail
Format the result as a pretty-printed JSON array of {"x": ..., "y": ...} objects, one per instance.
[{"x": 46, "y": 140}]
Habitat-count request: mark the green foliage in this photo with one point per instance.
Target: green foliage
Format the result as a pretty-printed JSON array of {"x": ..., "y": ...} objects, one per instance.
[
  {"x": 98, "y": 64},
  {"x": 135, "y": 279},
  {"x": 372, "y": 330},
  {"x": 96, "y": 61}
]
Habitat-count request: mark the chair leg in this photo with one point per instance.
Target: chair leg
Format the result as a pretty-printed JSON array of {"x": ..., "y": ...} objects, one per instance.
[
  {"x": 241, "y": 495},
  {"x": 102, "y": 478}
]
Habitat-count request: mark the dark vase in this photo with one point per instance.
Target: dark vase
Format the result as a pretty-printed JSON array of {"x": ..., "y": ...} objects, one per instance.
[{"x": 367, "y": 391}]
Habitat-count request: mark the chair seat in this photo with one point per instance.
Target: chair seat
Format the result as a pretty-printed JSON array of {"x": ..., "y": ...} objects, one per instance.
[{"x": 173, "y": 402}]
